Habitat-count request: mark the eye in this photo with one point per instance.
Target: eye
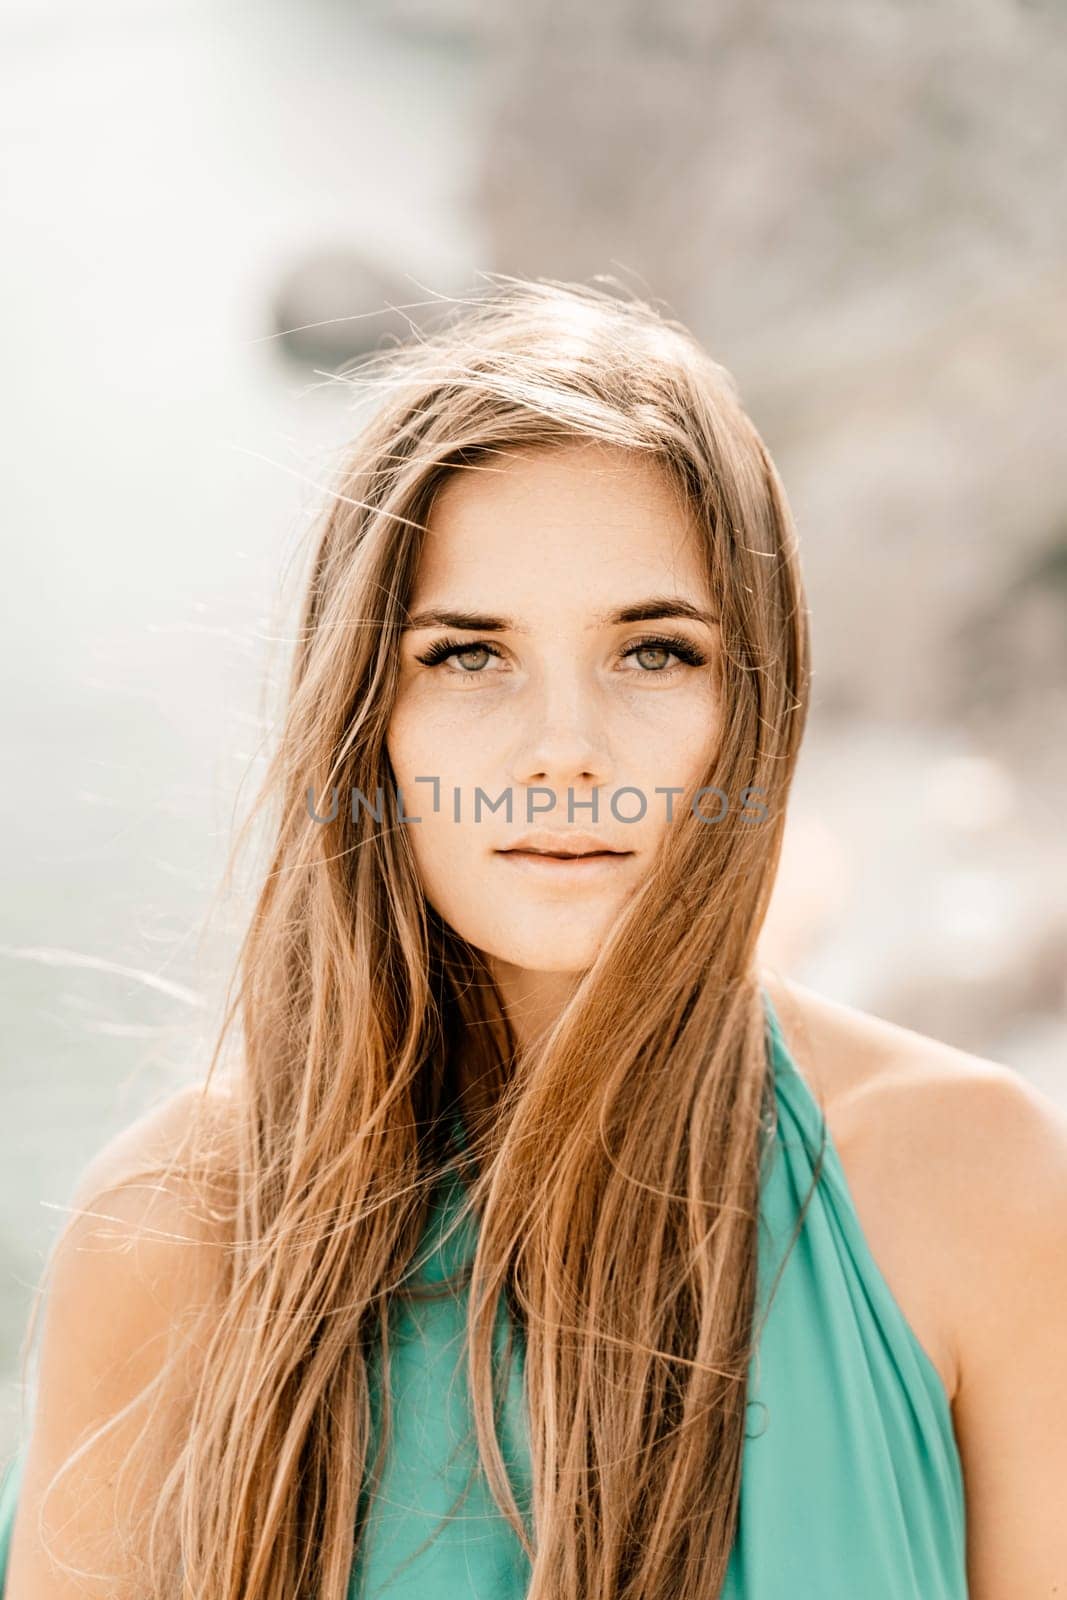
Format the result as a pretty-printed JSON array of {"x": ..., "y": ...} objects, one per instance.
[
  {"x": 665, "y": 645},
  {"x": 466, "y": 654},
  {"x": 449, "y": 649}
]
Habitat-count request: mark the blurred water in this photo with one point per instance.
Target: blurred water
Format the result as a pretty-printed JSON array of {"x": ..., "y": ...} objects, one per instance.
[{"x": 164, "y": 163}]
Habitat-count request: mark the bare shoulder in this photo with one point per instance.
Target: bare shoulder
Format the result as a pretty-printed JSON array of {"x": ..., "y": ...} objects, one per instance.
[
  {"x": 982, "y": 1129},
  {"x": 146, "y": 1166},
  {"x": 143, "y": 1241},
  {"x": 138, "y": 1255},
  {"x": 957, "y": 1166},
  {"x": 145, "y": 1238}
]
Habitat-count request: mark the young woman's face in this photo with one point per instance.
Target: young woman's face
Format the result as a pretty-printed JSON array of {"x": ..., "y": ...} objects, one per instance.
[{"x": 545, "y": 696}]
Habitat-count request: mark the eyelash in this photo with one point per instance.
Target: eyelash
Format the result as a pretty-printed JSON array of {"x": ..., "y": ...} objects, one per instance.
[{"x": 689, "y": 653}]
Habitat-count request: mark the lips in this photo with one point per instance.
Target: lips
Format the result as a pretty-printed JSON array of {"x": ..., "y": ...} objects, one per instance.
[
  {"x": 557, "y": 865},
  {"x": 561, "y": 855},
  {"x": 562, "y": 847}
]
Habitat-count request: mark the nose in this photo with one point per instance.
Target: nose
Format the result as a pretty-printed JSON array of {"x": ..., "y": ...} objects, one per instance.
[{"x": 562, "y": 735}]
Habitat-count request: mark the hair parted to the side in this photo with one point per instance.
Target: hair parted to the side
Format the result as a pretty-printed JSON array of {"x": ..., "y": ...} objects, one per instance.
[{"x": 618, "y": 1222}]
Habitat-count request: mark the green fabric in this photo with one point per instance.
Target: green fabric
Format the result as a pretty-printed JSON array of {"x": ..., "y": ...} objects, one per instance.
[
  {"x": 851, "y": 1478},
  {"x": 8, "y": 1501}
]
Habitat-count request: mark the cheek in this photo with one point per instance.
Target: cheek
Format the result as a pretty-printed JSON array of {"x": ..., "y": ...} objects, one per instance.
[
  {"x": 405, "y": 736},
  {"x": 416, "y": 749},
  {"x": 455, "y": 876},
  {"x": 421, "y": 746},
  {"x": 676, "y": 743},
  {"x": 699, "y": 739},
  {"x": 411, "y": 756},
  {"x": 426, "y": 738},
  {"x": 453, "y": 761}
]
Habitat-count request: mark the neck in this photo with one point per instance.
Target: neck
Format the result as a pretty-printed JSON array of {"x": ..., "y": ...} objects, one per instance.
[{"x": 533, "y": 1001}]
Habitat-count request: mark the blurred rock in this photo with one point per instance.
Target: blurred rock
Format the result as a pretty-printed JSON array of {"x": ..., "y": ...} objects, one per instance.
[{"x": 335, "y": 306}]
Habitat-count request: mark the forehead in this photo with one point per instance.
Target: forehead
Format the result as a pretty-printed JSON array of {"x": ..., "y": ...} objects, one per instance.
[{"x": 574, "y": 513}]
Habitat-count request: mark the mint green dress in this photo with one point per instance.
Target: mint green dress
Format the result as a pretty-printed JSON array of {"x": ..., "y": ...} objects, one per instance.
[{"x": 851, "y": 1479}]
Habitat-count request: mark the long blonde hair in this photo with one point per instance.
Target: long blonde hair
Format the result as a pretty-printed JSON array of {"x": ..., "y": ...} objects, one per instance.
[{"x": 616, "y": 1164}]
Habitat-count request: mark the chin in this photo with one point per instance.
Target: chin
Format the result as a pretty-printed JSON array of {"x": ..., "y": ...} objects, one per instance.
[{"x": 556, "y": 950}]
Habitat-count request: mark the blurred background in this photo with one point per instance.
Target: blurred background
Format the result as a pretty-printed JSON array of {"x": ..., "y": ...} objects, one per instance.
[{"x": 860, "y": 208}]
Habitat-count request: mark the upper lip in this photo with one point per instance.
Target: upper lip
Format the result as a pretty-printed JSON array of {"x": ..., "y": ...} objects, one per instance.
[{"x": 548, "y": 843}]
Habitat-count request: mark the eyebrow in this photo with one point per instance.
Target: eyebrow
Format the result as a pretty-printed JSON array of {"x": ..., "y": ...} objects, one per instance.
[{"x": 656, "y": 608}]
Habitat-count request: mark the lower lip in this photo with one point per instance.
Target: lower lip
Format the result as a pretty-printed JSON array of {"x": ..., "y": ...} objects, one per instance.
[{"x": 557, "y": 869}]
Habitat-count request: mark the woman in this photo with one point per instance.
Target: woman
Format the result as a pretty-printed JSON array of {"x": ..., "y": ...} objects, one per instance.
[{"x": 763, "y": 1294}]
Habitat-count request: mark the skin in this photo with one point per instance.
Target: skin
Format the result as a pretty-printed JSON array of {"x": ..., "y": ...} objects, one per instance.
[
  {"x": 569, "y": 704},
  {"x": 956, "y": 1166}
]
